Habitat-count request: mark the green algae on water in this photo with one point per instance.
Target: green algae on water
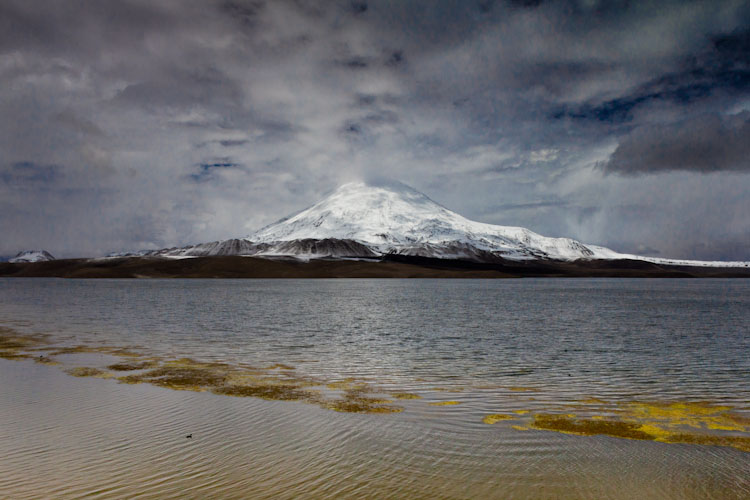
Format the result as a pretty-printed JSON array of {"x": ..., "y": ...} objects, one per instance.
[
  {"x": 186, "y": 376},
  {"x": 589, "y": 427},
  {"x": 497, "y": 417},
  {"x": 633, "y": 429},
  {"x": 360, "y": 405},
  {"x": 279, "y": 366},
  {"x": 13, "y": 346},
  {"x": 85, "y": 349},
  {"x": 405, "y": 395},
  {"x": 691, "y": 422},
  {"x": 280, "y": 392},
  {"x": 45, "y": 360},
  {"x": 125, "y": 366},
  {"x": 356, "y": 401},
  {"x": 85, "y": 371}
]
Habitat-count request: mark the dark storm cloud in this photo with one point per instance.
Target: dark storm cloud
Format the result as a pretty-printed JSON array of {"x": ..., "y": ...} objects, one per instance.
[
  {"x": 358, "y": 6},
  {"x": 354, "y": 63},
  {"x": 227, "y": 143},
  {"x": 706, "y": 144},
  {"x": 396, "y": 58},
  {"x": 133, "y": 123},
  {"x": 207, "y": 171},
  {"x": 723, "y": 67},
  {"x": 246, "y": 13},
  {"x": 25, "y": 174}
]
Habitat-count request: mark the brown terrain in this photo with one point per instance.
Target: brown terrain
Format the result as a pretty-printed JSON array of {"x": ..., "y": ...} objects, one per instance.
[{"x": 389, "y": 267}]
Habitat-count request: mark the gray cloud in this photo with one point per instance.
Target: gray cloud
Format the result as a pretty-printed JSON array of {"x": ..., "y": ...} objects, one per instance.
[
  {"x": 707, "y": 143},
  {"x": 116, "y": 118}
]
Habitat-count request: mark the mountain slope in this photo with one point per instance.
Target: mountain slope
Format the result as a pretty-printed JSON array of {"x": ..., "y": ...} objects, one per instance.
[
  {"x": 361, "y": 220},
  {"x": 32, "y": 256},
  {"x": 394, "y": 218}
]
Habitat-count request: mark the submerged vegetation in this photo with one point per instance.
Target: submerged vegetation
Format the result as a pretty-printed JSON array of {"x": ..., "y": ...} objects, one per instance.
[
  {"x": 689, "y": 422},
  {"x": 14, "y": 346},
  {"x": 281, "y": 392},
  {"x": 132, "y": 366},
  {"x": 676, "y": 422},
  {"x": 405, "y": 395},
  {"x": 86, "y": 371},
  {"x": 497, "y": 417},
  {"x": 588, "y": 427}
]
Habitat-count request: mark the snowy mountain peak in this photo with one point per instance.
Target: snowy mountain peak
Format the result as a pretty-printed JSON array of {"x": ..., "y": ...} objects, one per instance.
[
  {"x": 372, "y": 213},
  {"x": 391, "y": 217},
  {"x": 375, "y": 219},
  {"x": 32, "y": 256}
]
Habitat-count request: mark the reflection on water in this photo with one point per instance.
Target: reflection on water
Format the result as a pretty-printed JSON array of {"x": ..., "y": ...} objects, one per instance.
[{"x": 478, "y": 373}]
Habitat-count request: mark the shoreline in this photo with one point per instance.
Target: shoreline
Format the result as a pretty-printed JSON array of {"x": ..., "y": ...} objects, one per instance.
[
  {"x": 394, "y": 267},
  {"x": 680, "y": 421},
  {"x": 71, "y": 438}
]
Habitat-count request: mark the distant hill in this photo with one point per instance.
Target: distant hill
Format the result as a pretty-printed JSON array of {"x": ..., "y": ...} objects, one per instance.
[{"x": 32, "y": 256}]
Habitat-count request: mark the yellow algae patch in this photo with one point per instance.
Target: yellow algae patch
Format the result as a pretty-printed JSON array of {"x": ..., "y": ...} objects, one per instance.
[
  {"x": 124, "y": 367},
  {"x": 658, "y": 433},
  {"x": 183, "y": 374},
  {"x": 740, "y": 442},
  {"x": 496, "y": 417},
  {"x": 405, "y": 395},
  {"x": 589, "y": 427},
  {"x": 347, "y": 384},
  {"x": 698, "y": 415},
  {"x": 85, "y": 371},
  {"x": 357, "y": 402},
  {"x": 84, "y": 349},
  {"x": 673, "y": 411},
  {"x": 739, "y": 419},
  {"x": 647, "y": 430},
  {"x": 130, "y": 379},
  {"x": 519, "y": 427},
  {"x": 252, "y": 378},
  {"x": 520, "y": 412},
  {"x": 45, "y": 360},
  {"x": 724, "y": 423},
  {"x": 360, "y": 397},
  {"x": 594, "y": 401},
  {"x": 13, "y": 354},
  {"x": 445, "y": 403},
  {"x": 279, "y": 366},
  {"x": 223, "y": 379},
  {"x": 12, "y": 345},
  {"x": 280, "y": 392},
  {"x": 359, "y": 406}
]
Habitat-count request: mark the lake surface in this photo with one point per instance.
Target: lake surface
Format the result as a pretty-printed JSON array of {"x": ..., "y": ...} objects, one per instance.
[{"x": 666, "y": 357}]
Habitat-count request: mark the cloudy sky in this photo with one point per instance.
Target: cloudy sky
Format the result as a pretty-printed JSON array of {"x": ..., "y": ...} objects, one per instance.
[{"x": 140, "y": 124}]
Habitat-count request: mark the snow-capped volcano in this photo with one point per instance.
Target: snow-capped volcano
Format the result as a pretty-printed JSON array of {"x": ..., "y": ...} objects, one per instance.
[
  {"x": 365, "y": 220},
  {"x": 32, "y": 256},
  {"x": 394, "y": 218}
]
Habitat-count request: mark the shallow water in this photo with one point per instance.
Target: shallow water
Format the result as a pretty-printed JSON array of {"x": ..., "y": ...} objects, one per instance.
[{"x": 638, "y": 350}]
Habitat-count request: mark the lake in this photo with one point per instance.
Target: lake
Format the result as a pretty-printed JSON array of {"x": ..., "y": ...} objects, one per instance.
[{"x": 533, "y": 388}]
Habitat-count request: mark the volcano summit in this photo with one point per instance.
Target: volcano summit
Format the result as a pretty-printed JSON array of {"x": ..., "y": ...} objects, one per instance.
[
  {"x": 377, "y": 220},
  {"x": 371, "y": 230}
]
